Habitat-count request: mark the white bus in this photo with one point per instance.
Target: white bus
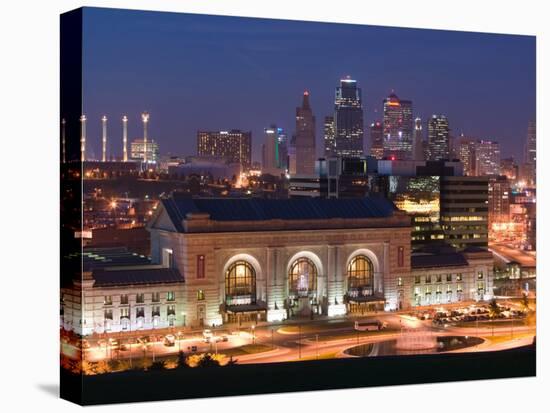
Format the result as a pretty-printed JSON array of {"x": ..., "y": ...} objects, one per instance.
[{"x": 370, "y": 325}]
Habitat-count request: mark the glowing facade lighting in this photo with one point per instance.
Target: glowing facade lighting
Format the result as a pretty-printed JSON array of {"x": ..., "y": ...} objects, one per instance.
[{"x": 104, "y": 138}]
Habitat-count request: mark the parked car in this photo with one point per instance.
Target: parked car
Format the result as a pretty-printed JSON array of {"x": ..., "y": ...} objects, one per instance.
[{"x": 370, "y": 325}]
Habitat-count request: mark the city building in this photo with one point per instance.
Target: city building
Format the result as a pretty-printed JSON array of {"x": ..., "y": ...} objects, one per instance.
[
  {"x": 418, "y": 141},
  {"x": 464, "y": 211},
  {"x": 208, "y": 166},
  {"x": 438, "y": 138},
  {"x": 487, "y": 158},
  {"x": 343, "y": 177},
  {"x": 305, "y": 186},
  {"x": 145, "y": 151},
  {"x": 398, "y": 128},
  {"x": 234, "y": 146},
  {"x": 329, "y": 136},
  {"x": 271, "y": 152},
  {"x": 498, "y": 200},
  {"x": 530, "y": 155},
  {"x": 467, "y": 154},
  {"x": 304, "y": 140},
  {"x": 348, "y": 120},
  {"x": 445, "y": 276},
  {"x": 376, "y": 140},
  {"x": 509, "y": 168}
]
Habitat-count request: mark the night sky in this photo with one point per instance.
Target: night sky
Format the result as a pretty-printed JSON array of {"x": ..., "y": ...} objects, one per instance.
[{"x": 194, "y": 72}]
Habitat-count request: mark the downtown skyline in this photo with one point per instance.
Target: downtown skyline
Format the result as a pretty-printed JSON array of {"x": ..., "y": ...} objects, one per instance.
[{"x": 483, "y": 83}]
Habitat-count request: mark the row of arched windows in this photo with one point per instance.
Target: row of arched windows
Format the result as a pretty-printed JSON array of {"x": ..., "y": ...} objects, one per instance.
[{"x": 240, "y": 279}]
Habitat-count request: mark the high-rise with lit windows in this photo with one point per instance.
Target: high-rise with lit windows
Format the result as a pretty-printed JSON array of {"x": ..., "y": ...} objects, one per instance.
[
  {"x": 438, "y": 138},
  {"x": 487, "y": 158},
  {"x": 348, "y": 119},
  {"x": 398, "y": 128},
  {"x": 376, "y": 140},
  {"x": 304, "y": 139},
  {"x": 234, "y": 146}
]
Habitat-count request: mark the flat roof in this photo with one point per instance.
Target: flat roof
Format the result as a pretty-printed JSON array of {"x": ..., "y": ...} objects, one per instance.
[{"x": 114, "y": 278}]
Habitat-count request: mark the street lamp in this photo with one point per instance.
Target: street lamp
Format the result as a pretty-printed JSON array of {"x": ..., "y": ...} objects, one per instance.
[{"x": 253, "y": 334}]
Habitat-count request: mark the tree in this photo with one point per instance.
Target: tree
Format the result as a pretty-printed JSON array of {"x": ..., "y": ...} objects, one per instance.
[
  {"x": 157, "y": 365},
  {"x": 208, "y": 361},
  {"x": 231, "y": 361},
  {"x": 182, "y": 360}
]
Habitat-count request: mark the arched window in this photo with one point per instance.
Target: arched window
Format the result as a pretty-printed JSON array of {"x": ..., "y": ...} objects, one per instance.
[
  {"x": 240, "y": 283},
  {"x": 302, "y": 277},
  {"x": 361, "y": 275}
]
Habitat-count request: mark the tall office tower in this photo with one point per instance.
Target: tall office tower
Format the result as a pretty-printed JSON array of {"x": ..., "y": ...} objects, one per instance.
[
  {"x": 418, "y": 141},
  {"x": 104, "y": 138},
  {"x": 509, "y": 168},
  {"x": 330, "y": 144},
  {"x": 82, "y": 138},
  {"x": 398, "y": 128},
  {"x": 271, "y": 153},
  {"x": 464, "y": 224},
  {"x": 282, "y": 139},
  {"x": 348, "y": 119},
  {"x": 530, "y": 155},
  {"x": 376, "y": 140},
  {"x": 467, "y": 154},
  {"x": 305, "y": 138},
  {"x": 125, "y": 138},
  {"x": 487, "y": 158},
  {"x": 438, "y": 138},
  {"x": 233, "y": 146},
  {"x": 498, "y": 200}
]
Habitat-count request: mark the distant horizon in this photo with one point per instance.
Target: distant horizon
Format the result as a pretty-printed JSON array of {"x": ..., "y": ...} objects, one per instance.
[{"x": 200, "y": 72}]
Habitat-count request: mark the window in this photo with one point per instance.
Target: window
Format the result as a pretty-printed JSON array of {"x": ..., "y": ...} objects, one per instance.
[
  {"x": 108, "y": 315},
  {"x": 459, "y": 288},
  {"x": 240, "y": 284},
  {"x": 124, "y": 313},
  {"x": 360, "y": 276},
  {"x": 171, "y": 310},
  {"x": 155, "y": 297},
  {"x": 200, "y": 266},
  {"x": 480, "y": 275},
  {"x": 108, "y": 300},
  {"x": 140, "y": 298},
  {"x": 449, "y": 277},
  {"x": 168, "y": 258},
  {"x": 400, "y": 256},
  {"x": 428, "y": 279},
  {"x": 400, "y": 281},
  {"x": 124, "y": 299},
  {"x": 417, "y": 279},
  {"x": 170, "y": 296},
  {"x": 200, "y": 295},
  {"x": 156, "y": 311},
  {"x": 140, "y": 312},
  {"x": 459, "y": 277},
  {"x": 302, "y": 277},
  {"x": 438, "y": 278}
]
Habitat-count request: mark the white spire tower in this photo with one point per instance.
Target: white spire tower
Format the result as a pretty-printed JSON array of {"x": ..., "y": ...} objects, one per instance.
[
  {"x": 104, "y": 138},
  {"x": 145, "y": 119},
  {"x": 63, "y": 140},
  {"x": 82, "y": 138},
  {"x": 125, "y": 138}
]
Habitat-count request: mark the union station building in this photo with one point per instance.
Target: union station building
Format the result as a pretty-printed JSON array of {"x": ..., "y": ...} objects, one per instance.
[{"x": 229, "y": 261}]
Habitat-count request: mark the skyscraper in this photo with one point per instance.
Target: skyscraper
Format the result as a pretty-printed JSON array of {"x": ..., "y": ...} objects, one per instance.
[
  {"x": 467, "y": 154},
  {"x": 438, "y": 138},
  {"x": 398, "y": 127},
  {"x": 530, "y": 155},
  {"x": 273, "y": 158},
  {"x": 348, "y": 119},
  {"x": 376, "y": 140},
  {"x": 305, "y": 138},
  {"x": 330, "y": 145},
  {"x": 418, "y": 141},
  {"x": 234, "y": 146},
  {"x": 487, "y": 158}
]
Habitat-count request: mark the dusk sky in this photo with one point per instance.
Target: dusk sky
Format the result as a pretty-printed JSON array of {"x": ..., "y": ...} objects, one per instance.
[{"x": 195, "y": 72}]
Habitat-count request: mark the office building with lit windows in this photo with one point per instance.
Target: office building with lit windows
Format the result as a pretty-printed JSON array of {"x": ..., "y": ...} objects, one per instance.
[
  {"x": 376, "y": 140},
  {"x": 329, "y": 136},
  {"x": 140, "y": 150},
  {"x": 438, "y": 138},
  {"x": 303, "y": 154},
  {"x": 348, "y": 120},
  {"x": 233, "y": 146},
  {"x": 487, "y": 158},
  {"x": 398, "y": 128}
]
